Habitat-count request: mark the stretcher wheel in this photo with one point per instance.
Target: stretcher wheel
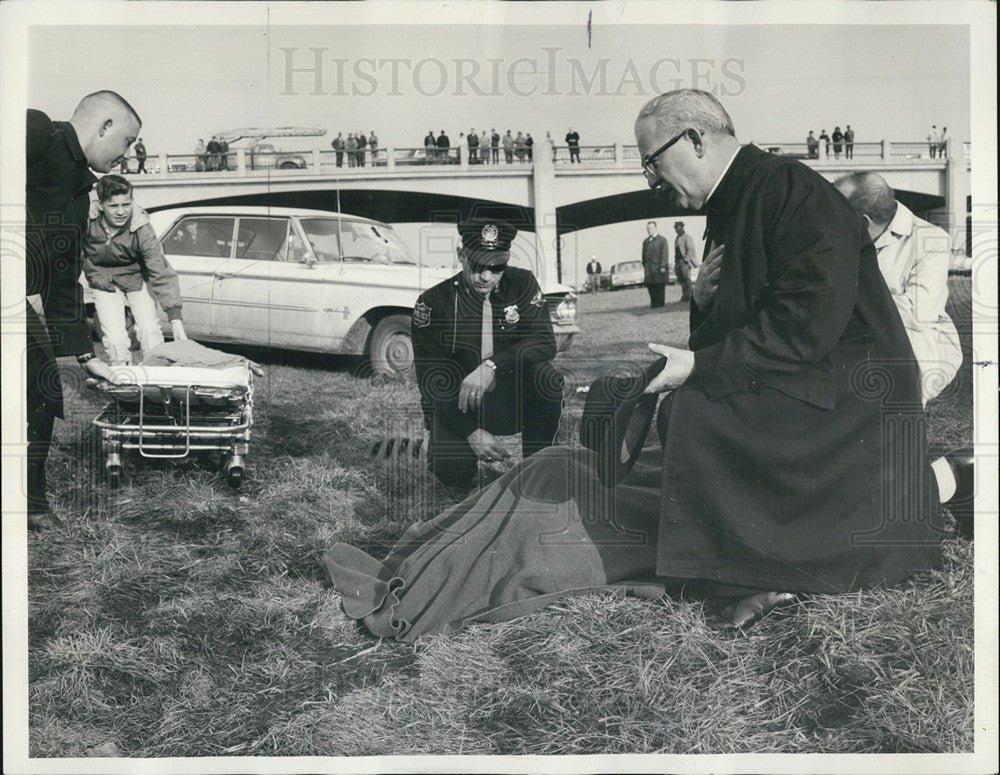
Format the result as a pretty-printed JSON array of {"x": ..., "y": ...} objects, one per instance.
[{"x": 234, "y": 477}]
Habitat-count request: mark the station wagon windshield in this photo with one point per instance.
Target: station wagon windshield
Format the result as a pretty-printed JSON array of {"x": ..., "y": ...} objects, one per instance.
[{"x": 344, "y": 240}]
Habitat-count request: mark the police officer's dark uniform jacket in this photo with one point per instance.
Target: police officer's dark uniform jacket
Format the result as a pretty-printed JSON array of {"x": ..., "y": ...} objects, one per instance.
[{"x": 447, "y": 344}]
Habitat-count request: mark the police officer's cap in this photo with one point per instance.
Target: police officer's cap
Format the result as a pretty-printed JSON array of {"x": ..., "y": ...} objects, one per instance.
[{"x": 487, "y": 239}]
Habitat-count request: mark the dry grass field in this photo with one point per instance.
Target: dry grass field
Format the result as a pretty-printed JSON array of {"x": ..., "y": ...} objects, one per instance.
[{"x": 174, "y": 617}]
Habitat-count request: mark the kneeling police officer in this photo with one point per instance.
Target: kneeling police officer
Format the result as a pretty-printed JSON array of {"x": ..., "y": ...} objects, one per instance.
[{"x": 483, "y": 346}]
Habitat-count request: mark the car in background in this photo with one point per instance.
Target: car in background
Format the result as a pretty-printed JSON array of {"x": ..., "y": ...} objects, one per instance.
[
  {"x": 307, "y": 280},
  {"x": 624, "y": 274},
  {"x": 410, "y": 157},
  {"x": 264, "y": 156}
]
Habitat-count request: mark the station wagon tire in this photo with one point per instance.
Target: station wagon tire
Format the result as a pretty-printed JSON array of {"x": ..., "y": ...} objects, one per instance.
[
  {"x": 391, "y": 349},
  {"x": 289, "y": 165}
]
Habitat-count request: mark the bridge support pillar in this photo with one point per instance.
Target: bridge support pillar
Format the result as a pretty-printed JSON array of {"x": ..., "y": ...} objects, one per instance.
[
  {"x": 164, "y": 165},
  {"x": 241, "y": 161},
  {"x": 543, "y": 179},
  {"x": 957, "y": 189}
]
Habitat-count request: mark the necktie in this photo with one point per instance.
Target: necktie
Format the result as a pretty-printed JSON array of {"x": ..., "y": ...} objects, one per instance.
[{"x": 487, "y": 348}]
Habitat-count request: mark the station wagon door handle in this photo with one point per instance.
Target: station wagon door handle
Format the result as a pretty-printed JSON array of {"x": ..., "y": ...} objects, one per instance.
[{"x": 222, "y": 275}]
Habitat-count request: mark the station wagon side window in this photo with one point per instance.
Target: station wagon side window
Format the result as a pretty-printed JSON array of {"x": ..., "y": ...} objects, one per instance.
[
  {"x": 198, "y": 235},
  {"x": 262, "y": 239},
  {"x": 363, "y": 241}
]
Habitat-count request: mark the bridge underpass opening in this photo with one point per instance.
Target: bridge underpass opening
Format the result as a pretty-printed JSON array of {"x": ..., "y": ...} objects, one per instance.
[{"x": 612, "y": 228}]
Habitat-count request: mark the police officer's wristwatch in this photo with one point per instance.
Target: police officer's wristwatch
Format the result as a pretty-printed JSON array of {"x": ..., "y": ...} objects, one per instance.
[{"x": 489, "y": 362}]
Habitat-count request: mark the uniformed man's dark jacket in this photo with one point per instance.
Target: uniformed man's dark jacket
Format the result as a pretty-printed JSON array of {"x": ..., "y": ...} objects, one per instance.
[
  {"x": 447, "y": 339},
  {"x": 57, "y": 198}
]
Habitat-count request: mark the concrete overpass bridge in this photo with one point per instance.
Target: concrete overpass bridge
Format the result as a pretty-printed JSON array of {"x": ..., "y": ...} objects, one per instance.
[{"x": 550, "y": 196}]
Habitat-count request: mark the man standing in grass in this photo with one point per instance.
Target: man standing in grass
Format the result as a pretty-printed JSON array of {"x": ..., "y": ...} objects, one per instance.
[
  {"x": 594, "y": 274},
  {"x": 60, "y": 155},
  {"x": 685, "y": 259},
  {"x": 655, "y": 258}
]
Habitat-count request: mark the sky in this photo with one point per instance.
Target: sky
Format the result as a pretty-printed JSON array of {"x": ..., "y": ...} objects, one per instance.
[{"x": 778, "y": 81}]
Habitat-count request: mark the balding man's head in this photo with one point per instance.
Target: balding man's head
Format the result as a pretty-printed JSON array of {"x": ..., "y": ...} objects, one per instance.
[
  {"x": 106, "y": 125},
  {"x": 871, "y": 196},
  {"x": 683, "y": 109},
  {"x": 686, "y": 139}
]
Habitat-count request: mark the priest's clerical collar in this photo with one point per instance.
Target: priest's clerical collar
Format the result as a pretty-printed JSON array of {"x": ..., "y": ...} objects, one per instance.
[{"x": 725, "y": 169}]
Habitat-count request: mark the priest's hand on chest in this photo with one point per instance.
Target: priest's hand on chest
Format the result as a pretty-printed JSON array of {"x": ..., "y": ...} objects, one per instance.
[
  {"x": 475, "y": 386},
  {"x": 680, "y": 364},
  {"x": 708, "y": 278}
]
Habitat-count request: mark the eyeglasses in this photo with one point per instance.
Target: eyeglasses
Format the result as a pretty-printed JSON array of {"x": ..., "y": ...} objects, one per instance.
[{"x": 649, "y": 158}]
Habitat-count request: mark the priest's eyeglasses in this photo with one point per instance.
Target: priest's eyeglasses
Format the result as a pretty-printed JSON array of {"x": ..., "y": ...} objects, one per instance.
[{"x": 649, "y": 158}]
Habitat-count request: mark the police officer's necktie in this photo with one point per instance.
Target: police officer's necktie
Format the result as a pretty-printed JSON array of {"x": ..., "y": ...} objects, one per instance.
[{"x": 487, "y": 348}]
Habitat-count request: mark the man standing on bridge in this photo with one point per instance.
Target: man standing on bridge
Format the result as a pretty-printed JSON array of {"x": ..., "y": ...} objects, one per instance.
[
  {"x": 443, "y": 144},
  {"x": 338, "y": 148},
  {"x": 573, "y": 141}
]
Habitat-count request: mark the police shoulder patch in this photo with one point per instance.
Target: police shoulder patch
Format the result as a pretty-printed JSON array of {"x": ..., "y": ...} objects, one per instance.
[
  {"x": 421, "y": 315},
  {"x": 538, "y": 300}
]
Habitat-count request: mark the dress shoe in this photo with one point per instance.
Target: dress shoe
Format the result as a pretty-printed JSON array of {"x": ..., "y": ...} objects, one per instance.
[
  {"x": 962, "y": 503},
  {"x": 44, "y": 520},
  {"x": 749, "y": 610}
]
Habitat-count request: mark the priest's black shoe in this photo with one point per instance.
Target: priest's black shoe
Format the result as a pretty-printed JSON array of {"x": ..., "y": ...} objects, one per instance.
[{"x": 962, "y": 503}]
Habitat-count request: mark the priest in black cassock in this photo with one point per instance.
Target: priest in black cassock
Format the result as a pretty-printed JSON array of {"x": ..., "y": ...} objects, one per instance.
[{"x": 795, "y": 452}]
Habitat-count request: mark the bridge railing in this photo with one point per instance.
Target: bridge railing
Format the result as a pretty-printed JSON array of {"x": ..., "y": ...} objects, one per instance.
[
  {"x": 131, "y": 165},
  {"x": 416, "y": 157},
  {"x": 819, "y": 151},
  {"x": 586, "y": 154},
  {"x": 244, "y": 163},
  {"x": 368, "y": 157}
]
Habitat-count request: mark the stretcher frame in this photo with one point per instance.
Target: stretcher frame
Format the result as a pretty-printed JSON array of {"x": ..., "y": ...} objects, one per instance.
[{"x": 170, "y": 412}]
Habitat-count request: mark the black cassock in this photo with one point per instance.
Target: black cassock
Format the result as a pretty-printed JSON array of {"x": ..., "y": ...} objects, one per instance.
[{"x": 796, "y": 453}]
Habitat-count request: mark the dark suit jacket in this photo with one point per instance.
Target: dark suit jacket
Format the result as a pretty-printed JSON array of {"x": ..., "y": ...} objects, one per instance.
[
  {"x": 656, "y": 258},
  {"x": 57, "y": 192}
]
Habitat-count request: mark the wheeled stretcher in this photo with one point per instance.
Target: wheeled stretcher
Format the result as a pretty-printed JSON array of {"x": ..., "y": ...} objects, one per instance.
[{"x": 172, "y": 411}]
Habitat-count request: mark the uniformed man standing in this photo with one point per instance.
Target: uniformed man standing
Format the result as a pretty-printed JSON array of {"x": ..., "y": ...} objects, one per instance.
[
  {"x": 685, "y": 259},
  {"x": 483, "y": 346}
]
